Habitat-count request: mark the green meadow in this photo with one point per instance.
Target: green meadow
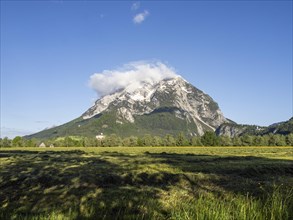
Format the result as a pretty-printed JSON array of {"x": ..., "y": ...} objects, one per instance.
[{"x": 146, "y": 183}]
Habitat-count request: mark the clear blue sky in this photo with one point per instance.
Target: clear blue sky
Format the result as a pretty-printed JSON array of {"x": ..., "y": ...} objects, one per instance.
[{"x": 240, "y": 53}]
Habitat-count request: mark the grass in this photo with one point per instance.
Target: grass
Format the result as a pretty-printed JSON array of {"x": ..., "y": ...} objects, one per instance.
[{"x": 147, "y": 183}]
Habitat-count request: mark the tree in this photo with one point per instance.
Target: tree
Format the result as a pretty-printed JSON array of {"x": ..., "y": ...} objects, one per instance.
[
  {"x": 147, "y": 140},
  {"x": 169, "y": 140},
  {"x": 272, "y": 140},
  {"x": 265, "y": 140},
  {"x": 157, "y": 141},
  {"x": 5, "y": 142},
  {"x": 195, "y": 141},
  {"x": 210, "y": 139},
  {"x": 280, "y": 140},
  {"x": 31, "y": 143},
  {"x": 257, "y": 140},
  {"x": 82, "y": 142},
  {"x": 225, "y": 141},
  {"x": 17, "y": 142},
  {"x": 181, "y": 140},
  {"x": 236, "y": 141},
  {"x": 133, "y": 141},
  {"x": 139, "y": 141},
  {"x": 130, "y": 141},
  {"x": 112, "y": 141},
  {"x": 90, "y": 142},
  {"x": 246, "y": 140},
  {"x": 289, "y": 140}
]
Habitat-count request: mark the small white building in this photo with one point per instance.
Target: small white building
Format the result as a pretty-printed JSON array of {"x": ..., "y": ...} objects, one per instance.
[
  {"x": 42, "y": 144},
  {"x": 100, "y": 137},
  {"x": 52, "y": 145}
]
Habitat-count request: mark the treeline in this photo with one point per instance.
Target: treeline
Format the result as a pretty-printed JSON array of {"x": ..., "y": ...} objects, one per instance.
[{"x": 208, "y": 139}]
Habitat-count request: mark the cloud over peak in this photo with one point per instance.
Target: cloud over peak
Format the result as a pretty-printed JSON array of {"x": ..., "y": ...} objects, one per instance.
[
  {"x": 134, "y": 74},
  {"x": 139, "y": 18}
]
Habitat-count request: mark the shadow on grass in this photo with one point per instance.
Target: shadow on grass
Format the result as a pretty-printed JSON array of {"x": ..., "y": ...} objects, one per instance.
[
  {"x": 110, "y": 184},
  {"x": 244, "y": 175},
  {"x": 33, "y": 183}
]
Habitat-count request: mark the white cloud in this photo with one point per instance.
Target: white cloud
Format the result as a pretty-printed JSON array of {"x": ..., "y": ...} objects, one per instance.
[
  {"x": 132, "y": 74},
  {"x": 137, "y": 19},
  {"x": 135, "y": 6}
]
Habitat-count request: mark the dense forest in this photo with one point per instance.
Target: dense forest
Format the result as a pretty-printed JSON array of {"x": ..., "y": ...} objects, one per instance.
[{"x": 208, "y": 139}]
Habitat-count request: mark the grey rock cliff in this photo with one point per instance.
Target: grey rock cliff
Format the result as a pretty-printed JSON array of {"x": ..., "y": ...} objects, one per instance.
[{"x": 191, "y": 104}]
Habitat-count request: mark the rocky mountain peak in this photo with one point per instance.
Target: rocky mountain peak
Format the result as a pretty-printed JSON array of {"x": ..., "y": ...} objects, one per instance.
[{"x": 188, "y": 103}]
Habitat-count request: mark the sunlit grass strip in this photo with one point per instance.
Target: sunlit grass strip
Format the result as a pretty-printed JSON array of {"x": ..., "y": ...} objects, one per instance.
[
  {"x": 273, "y": 207},
  {"x": 268, "y": 152}
]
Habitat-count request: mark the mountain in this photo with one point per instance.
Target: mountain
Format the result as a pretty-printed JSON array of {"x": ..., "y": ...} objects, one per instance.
[
  {"x": 168, "y": 106},
  {"x": 233, "y": 129},
  {"x": 284, "y": 128}
]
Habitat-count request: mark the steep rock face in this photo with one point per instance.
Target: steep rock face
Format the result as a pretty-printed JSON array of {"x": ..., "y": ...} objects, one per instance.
[
  {"x": 188, "y": 103},
  {"x": 236, "y": 130},
  {"x": 231, "y": 130}
]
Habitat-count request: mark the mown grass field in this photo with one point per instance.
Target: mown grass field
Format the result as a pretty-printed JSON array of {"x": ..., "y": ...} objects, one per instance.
[{"x": 147, "y": 183}]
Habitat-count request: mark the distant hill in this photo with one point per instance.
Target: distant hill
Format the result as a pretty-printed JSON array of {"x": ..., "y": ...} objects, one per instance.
[
  {"x": 233, "y": 129},
  {"x": 285, "y": 127}
]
